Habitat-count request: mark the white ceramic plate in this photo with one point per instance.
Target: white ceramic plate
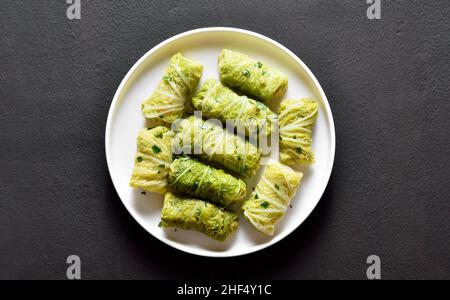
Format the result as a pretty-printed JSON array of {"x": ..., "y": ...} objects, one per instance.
[{"x": 125, "y": 120}]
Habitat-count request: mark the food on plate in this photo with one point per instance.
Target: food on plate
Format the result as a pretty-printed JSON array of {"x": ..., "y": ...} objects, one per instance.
[
  {"x": 251, "y": 77},
  {"x": 296, "y": 121},
  {"x": 215, "y": 100},
  {"x": 209, "y": 141},
  {"x": 271, "y": 197},
  {"x": 191, "y": 177},
  {"x": 153, "y": 159},
  {"x": 200, "y": 164},
  {"x": 194, "y": 214},
  {"x": 176, "y": 87}
]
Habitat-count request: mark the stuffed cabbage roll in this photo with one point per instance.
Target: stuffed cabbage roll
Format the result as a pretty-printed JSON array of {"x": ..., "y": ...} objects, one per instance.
[
  {"x": 271, "y": 197},
  {"x": 217, "y": 101},
  {"x": 167, "y": 102},
  {"x": 193, "y": 214},
  {"x": 251, "y": 77},
  {"x": 218, "y": 146},
  {"x": 191, "y": 177},
  {"x": 153, "y": 159},
  {"x": 297, "y": 118}
]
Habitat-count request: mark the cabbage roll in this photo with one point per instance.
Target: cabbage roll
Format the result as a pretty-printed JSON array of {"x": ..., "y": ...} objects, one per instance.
[
  {"x": 217, "y": 101},
  {"x": 193, "y": 214},
  {"x": 178, "y": 84},
  {"x": 217, "y": 146},
  {"x": 297, "y": 118},
  {"x": 271, "y": 197},
  {"x": 251, "y": 77},
  {"x": 153, "y": 159},
  {"x": 191, "y": 177}
]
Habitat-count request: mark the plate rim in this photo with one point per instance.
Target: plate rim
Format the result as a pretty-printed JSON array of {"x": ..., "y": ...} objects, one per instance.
[{"x": 112, "y": 109}]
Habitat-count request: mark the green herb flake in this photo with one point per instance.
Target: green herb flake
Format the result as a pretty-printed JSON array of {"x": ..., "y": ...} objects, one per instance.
[
  {"x": 156, "y": 149},
  {"x": 198, "y": 211},
  {"x": 259, "y": 65},
  {"x": 265, "y": 204},
  {"x": 167, "y": 78},
  {"x": 195, "y": 184},
  {"x": 239, "y": 157},
  {"x": 139, "y": 158},
  {"x": 277, "y": 187},
  {"x": 256, "y": 196},
  {"x": 159, "y": 135},
  {"x": 299, "y": 150},
  {"x": 160, "y": 224},
  {"x": 162, "y": 166},
  {"x": 246, "y": 73}
]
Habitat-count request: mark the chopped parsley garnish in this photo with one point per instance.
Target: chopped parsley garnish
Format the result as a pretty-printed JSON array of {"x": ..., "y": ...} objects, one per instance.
[
  {"x": 167, "y": 78},
  {"x": 299, "y": 150},
  {"x": 239, "y": 157},
  {"x": 159, "y": 135},
  {"x": 246, "y": 73},
  {"x": 195, "y": 184},
  {"x": 265, "y": 204},
  {"x": 256, "y": 196},
  {"x": 264, "y": 73},
  {"x": 139, "y": 158},
  {"x": 276, "y": 186},
  {"x": 162, "y": 166},
  {"x": 160, "y": 224},
  {"x": 259, "y": 65},
  {"x": 156, "y": 149}
]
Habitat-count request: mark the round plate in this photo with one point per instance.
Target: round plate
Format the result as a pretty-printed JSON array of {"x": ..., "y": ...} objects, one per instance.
[{"x": 125, "y": 120}]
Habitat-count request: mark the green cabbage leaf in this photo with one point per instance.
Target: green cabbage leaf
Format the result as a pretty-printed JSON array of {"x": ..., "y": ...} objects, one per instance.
[
  {"x": 167, "y": 103},
  {"x": 271, "y": 197},
  {"x": 191, "y": 177},
  {"x": 152, "y": 160},
  {"x": 194, "y": 214},
  {"x": 297, "y": 118},
  {"x": 251, "y": 77},
  {"x": 213, "y": 144},
  {"x": 215, "y": 100}
]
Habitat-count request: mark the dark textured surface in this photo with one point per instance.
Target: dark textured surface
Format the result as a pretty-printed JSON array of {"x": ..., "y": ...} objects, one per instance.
[{"x": 388, "y": 86}]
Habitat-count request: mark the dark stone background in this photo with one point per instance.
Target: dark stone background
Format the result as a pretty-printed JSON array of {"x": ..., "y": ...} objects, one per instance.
[{"x": 388, "y": 86}]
